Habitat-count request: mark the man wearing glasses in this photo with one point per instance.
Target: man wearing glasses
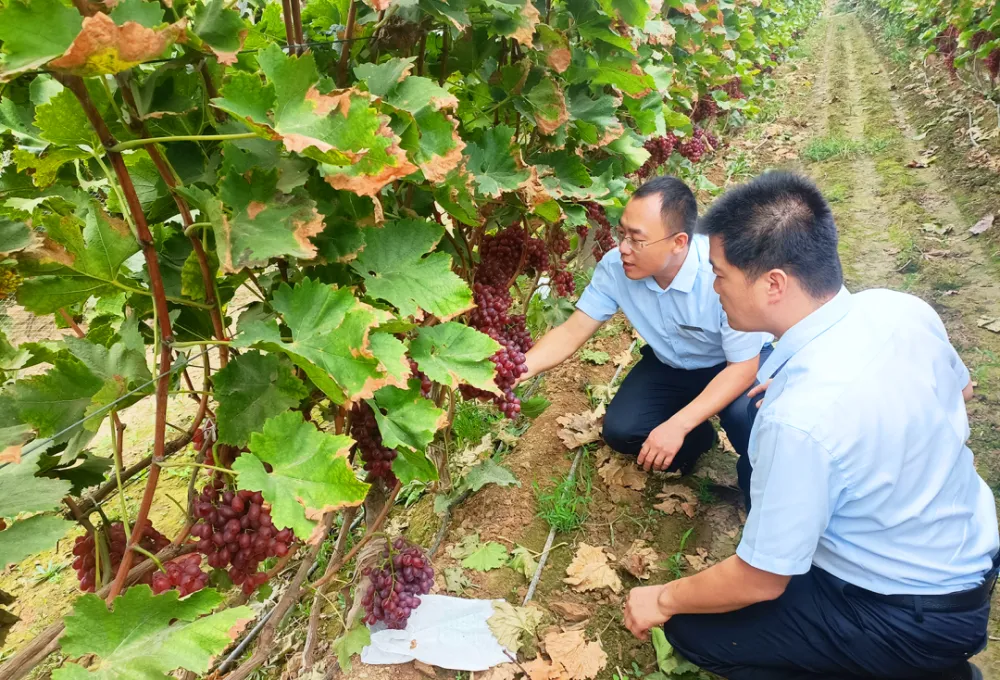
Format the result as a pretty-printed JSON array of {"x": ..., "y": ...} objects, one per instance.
[{"x": 693, "y": 366}]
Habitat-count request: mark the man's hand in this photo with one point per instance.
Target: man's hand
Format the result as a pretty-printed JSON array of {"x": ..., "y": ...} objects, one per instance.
[
  {"x": 642, "y": 610},
  {"x": 759, "y": 389},
  {"x": 662, "y": 444}
]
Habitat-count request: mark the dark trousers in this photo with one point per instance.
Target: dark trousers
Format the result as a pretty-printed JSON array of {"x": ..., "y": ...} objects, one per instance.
[
  {"x": 652, "y": 392},
  {"x": 822, "y": 628}
]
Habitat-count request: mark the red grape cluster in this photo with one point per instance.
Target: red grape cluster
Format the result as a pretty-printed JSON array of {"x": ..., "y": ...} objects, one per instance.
[
  {"x": 733, "y": 88},
  {"x": 377, "y": 458},
  {"x": 537, "y": 258},
  {"x": 236, "y": 529},
  {"x": 85, "y": 551},
  {"x": 183, "y": 574},
  {"x": 425, "y": 382},
  {"x": 560, "y": 242},
  {"x": 993, "y": 63},
  {"x": 659, "y": 149},
  {"x": 603, "y": 239},
  {"x": 564, "y": 283},
  {"x": 500, "y": 255},
  {"x": 582, "y": 231},
  {"x": 694, "y": 147},
  {"x": 705, "y": 107},
  {"x": 395, "y": 586}
]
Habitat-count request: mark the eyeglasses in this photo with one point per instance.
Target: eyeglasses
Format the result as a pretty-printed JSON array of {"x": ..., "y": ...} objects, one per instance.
[{"x": 638, "y": 246}]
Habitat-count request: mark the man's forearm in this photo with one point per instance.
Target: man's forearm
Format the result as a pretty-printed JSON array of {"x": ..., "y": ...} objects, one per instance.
[
  {"x": 730, "y": 383},
  {"x": 729, "y": 585},
  {"x": 560, "y": 343}
]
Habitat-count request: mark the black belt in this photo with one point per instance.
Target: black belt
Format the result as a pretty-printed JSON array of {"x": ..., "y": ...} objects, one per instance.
[{"x": 963, "y": 601}]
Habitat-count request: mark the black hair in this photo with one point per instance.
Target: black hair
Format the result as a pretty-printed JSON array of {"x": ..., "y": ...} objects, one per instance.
[
  {"x": 779, "y": 220},
  {"x": 675, "y": 199}
]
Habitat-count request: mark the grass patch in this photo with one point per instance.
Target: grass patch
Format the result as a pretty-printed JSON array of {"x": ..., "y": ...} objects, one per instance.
[
  {"x": 825, "y": 148},
  {"x": 472, "y": 420},
  {"x": 675, "y": 563},
  {"x": 565, "y": 505}
]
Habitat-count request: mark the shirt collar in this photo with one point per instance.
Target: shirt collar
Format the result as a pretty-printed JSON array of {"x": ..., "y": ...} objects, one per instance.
[
  {"x": 804, "y": 332},
  {"x": 684, "y": 279}
]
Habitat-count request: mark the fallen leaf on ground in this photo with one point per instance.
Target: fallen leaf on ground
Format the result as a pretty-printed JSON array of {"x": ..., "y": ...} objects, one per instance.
[
  {"x": 700, "y": 560},
  {"x": 940, "y": 230},
  {"x": 570, "y": 611},
  {"x": 455, "y": 580},
  {"x": 580, "y": 658},
  {"x": 917, "y": 163},
  {"x": 590, "y": 570},
  {"x": 622, "y": 471},
  {"x": 471, "y": 455},
  {"x": 523, "y": 561},
  {"x": 603, "y": 455},
  {"x": 640, "y": 559},
  {"x": 595, "y": 356},
  {"x": 624, "y": 358},
  {"x": 982, "y": 225},
  {"x": 543, "y": 669},
  {"x": 991, "y": 324},
  {"x": 512, "y": 624},
  {"x": 933, "y": 254},
  {"x": 581, "y": 428},
  {"x": 676, "y": 497},
  {"x": 505, "y": 671},
  {"x": 508, "y": 438},
  {"x": 724, "y": 442}
]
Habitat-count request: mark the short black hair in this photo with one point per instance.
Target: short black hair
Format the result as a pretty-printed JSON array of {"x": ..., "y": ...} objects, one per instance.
[
  {"x": 675, "y": 199},
  {"x": 779, "y": 220}
]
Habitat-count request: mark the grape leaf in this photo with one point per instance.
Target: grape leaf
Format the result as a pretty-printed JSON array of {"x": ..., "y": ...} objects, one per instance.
[
  {"x": 488, "y": 472},
  {"x": 148, "y": 14},
  {"x": 351, "y": 643},
  {"x": 250, "y": 389},
  {"x": 492, "y": 165},
  {"x": 56, "y": 399},
  {"x": 452, "y": 353},
  {"x": 82, "y": 473},
  {"x": 534, "y": 407},
  {"x": 147, "y": 636},
  {"x": 14, "y": 236},
  {"x": 34, "y": 33},
  {"x": 523, "y": 561},
  {"x": 381, "y": 78},
  {"x": 27, "y": 537},
  {"x": 487, "y": 556},
  {"x": 16, "y": 118},
  {"x": 549, "y": 103},
  {"x": 455, "y": 580},
  {"x": 62, "y": 121},
  {"x": 22, "y": 491},
  {"x": 329, "y": 338},
  {"x": 221, "y": 29},
  {"x": 432, "y": 140},
  {"x": 80, "y": 263},
  {"x": 405, "y": 418},
  {"x": 595, "y": 356},
  {"x": 398, "y": 269},
  {"x": 391, "y": 353},
  {"x": 413, "y": 466},
  {"x": 311, "y": 474},
  {"x": 102, "y": 47},
  {"x": 511, "y": 624}
]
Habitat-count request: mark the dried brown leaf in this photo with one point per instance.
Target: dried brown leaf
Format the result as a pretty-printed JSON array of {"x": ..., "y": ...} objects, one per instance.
[
  {"x": 640, "y": 559},
  {"x": 982, "y": 225},
  {"x": 677, "y": 497},
  {"x": 700, "y": 560},
  {"x": 559, "y": 59},
  {"x": 570, "y": 611},
  {"x": 12, "y": 454},
  {"x": 543, "y": 669},
  {"x": 105, "y": 48},
  {"x": 505, "y": 671},
  {"x": 623, "y": 472},
  {"x": 525, "y": 33},
  {"x": 512, "y": 624},
  {"x": 580, "y": 658},
  {"x": 590, "y": 570},
  {"x": 581, "y": 428}
]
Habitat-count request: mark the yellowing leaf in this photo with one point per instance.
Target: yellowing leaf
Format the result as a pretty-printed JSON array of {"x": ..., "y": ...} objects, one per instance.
[
  {"x": 640, "y": 559},
  {"x": 580, "y": 658},
  {"x": 523, "y": 561},
  {"x": 677, "y": 497},
  {"x": 590, "y": 570},
  {"x": 455, "y": 580},
  {"x": 581, "y": 428},
  {"x": 104, "y": 48},
  {"x": 511, "y": 625}
]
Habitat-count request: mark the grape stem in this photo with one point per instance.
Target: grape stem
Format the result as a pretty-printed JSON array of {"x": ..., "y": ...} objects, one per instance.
[
  {"x": 234, "y": 473},
  {"x": 142, "y": 551}
]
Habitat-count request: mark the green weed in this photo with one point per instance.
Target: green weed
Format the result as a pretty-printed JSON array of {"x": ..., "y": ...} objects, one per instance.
[
  {"x": 564, "y": 506},
  {"x": 739, "y": 168},
  {"x": 472, "y": 420},
  {"x": 834, "y": 146},
  {"x": 675, "y": 563}
]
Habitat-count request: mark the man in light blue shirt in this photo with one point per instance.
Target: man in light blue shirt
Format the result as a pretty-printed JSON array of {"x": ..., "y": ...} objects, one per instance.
[
  {"x": 694, "y": 365},
  {"x": 871, "y": 546}
]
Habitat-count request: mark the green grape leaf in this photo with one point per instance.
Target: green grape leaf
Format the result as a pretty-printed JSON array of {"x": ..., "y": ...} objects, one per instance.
[
  {"x": 594, "y": 119},
  {"x": 549, "y": 104},
  {"x": 14, "y": 236},
  {"x": 488, "y": 472},
  {"x": 56, "y": 399},
  {"x": 246, "y": 96},
  {"x": 148, "y": 183},
  {"x": 91, "y": 261},
  {"x": 251, "y": 389},
  {"x": 192, "y": 283},
  {"x": 351, "y": 643},
  {"x": 45, "y": 168},
  {"x": 595, "y": 356},
  {"x": 221, "y": 28},
  {"x": 22, "y": 491},
  {"x": 492, "y": 165},
  {"x": 86, "y": 471},
  {"x": 486, "y": 556},
  {"x": 62, "y": 121},
  {"x": 398, "y": 269},
  {"x": 432, "y": 140},
  {"x": 413, "y": 466},
  {"x": 453, "y": 353},
  {"x": 523, "y": 561},
  {"x": 329, "y": 338},
  {"x": 405, "y": 418},
  {"x": 265, "y": 222},
  {"x": 148, "y": 14},
  {"x": 455, "y": 580},
  {"x": 381, "y": 78},
  {"x": 148, "y": 636},
  {"x": 452, "y": 11},
  {"x": 515, "y": 19},
  {"x": 35, "y": 33},
  {"x": 457, "y": 195},
  {"x": 534, "y": 407},
  {"x": 391, "y": 353},
  {"x": 16, "y": 118},
  {"x": 311, "y": 474},
  {"x": 28, "y": 537}
]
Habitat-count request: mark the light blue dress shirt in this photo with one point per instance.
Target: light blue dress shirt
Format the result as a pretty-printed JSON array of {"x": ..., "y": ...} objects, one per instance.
[
  {"x": 860, "y": 463},
  {"x": 684, "y": 323}
]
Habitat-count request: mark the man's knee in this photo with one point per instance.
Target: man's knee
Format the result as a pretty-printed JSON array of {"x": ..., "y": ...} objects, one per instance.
[{"x": 621, "y": 430}]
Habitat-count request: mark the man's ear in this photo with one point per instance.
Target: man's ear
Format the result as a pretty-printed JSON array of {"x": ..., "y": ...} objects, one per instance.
[
  {"x": 777, "y": 284},
  {"x": 680, "y": 241}
]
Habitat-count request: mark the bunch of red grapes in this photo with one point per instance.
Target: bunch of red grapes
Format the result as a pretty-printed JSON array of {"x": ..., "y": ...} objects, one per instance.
[
  {"x": 425, "y": 382},
  {"x": 704, "y": 108},
  {"x": 183, "y": 575},
  {"x": 993, "y": 63},
  {"x": 659, "y": 149},
  {"x": 604, "y": 241},
  {"x": 404, "y": 574},
  {"x": 85, "y": 551},
  {"x": 235, "y": 528},
  {"x": 694, "y": 147},
  {"x": 733, "y": 88},
  {"x": 563, "y": 283},
  {"x": 377, "y": 458}
]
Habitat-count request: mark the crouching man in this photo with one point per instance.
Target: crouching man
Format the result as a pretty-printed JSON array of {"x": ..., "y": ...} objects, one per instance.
[
  {"x": 871, "y": 546},
  {"x": 694, "y": 365}
]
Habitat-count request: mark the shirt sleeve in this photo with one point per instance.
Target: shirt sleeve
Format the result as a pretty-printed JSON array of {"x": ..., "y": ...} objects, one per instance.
[
  {"x": 599, "y": 300},
  {"x": 793, "y": 491},
  {"x": 739, "y": 346}
]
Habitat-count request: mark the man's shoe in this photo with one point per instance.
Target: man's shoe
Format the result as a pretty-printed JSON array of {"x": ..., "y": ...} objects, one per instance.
[{"x": 965, "y": 671}]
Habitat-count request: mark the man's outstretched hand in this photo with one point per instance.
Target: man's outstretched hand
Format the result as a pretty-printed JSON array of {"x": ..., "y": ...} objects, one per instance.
[
  {"x": 642, "y": 610},
  {"x": 661, "y": 446}
]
